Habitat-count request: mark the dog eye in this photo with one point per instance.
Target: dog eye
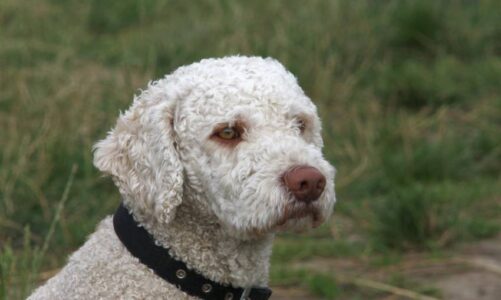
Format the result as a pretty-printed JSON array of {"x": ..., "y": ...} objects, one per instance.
[
  {"x": 228, "y": 133},
  {"x": 301, "y": 125}
]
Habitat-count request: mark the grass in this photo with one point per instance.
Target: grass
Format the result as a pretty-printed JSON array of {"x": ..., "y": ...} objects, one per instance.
[
  {"x": 318, "y": 284},
  {"x": 408, "y": 93}
]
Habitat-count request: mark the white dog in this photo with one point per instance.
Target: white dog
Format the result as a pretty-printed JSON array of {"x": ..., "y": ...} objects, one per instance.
[{"x": 210, "y": 161}]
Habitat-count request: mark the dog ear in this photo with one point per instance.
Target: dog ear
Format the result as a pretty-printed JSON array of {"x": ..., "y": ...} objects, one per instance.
[{"x": 141, "y": 157}]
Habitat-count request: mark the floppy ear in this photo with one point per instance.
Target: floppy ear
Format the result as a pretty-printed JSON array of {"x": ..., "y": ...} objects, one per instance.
[{"x": 140, "y": 155}]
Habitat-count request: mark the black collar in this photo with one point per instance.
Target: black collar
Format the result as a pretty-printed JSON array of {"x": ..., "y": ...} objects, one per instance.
[{"x": 142, "y": 245}]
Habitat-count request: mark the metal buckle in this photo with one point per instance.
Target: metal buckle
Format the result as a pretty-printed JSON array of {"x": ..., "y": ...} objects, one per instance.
[{"x": 245, "y": 294}]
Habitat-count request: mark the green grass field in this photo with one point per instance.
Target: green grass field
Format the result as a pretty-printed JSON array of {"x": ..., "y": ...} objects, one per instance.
[{"x": 409, "y": 94}]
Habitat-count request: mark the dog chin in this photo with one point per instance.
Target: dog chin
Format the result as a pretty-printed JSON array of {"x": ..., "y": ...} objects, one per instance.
[
  {"x": 298, "y": 224},
  {"x": 299, "y": 217},
  {"x": 294, "y": 219}
]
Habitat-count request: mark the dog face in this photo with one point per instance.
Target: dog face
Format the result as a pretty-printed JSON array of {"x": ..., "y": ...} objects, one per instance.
[{"x": 238, "y": 131}]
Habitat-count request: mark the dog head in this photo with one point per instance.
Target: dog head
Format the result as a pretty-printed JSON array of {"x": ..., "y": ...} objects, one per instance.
[{"x": 239, "y": 132}]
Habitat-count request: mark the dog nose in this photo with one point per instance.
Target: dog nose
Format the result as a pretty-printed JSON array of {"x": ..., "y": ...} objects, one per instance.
[{"x": 306, "y": 183}]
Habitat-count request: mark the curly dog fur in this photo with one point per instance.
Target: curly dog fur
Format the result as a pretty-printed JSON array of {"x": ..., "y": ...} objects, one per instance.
[{"x": 215, "y": 203}]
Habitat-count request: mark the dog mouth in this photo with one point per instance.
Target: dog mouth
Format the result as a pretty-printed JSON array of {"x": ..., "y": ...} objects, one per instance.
[{"x": 296, "y": 212}]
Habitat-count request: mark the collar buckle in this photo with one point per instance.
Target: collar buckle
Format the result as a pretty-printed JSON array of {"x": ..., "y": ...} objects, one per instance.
[{"x": 245, "y": 294}]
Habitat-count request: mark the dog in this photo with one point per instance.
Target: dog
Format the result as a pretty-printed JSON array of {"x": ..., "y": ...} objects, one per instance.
[{"x": 211, "y": 161}]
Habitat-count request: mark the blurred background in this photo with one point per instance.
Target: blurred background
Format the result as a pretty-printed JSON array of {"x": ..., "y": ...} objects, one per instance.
[{"x": 409, "y": 93}]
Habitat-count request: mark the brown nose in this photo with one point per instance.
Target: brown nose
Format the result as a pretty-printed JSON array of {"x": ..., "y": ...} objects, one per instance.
[{"x": 306, "y": 183}]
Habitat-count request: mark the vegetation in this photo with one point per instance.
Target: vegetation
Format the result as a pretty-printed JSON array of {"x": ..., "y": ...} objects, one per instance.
[{"x": 408, "y": 92}]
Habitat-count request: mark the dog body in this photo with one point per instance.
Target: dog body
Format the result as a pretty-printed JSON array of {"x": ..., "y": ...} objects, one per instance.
[{"x": 211, "y": 160}]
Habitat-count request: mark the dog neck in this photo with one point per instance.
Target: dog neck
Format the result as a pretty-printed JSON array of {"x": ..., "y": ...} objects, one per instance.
[{"x": 195, "y": 237}]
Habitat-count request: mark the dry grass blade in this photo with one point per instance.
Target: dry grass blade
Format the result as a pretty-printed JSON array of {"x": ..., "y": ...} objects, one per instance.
[
  {"x": 367, "y": 283},
  {"x": 59, "y": 209},
  {"x": 481, "y": 263},
  {"x": 44, "y": 276}
]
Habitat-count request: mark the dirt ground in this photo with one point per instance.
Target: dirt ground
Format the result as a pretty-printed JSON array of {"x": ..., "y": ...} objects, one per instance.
[
  {"x": 482, "y": 280},
  {"x": 472, "y": 272}
]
